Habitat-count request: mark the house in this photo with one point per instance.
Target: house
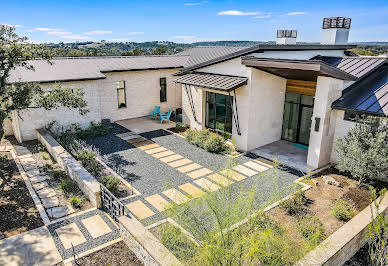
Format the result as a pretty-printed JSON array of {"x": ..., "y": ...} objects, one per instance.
[{"x": 287, "y": 99}]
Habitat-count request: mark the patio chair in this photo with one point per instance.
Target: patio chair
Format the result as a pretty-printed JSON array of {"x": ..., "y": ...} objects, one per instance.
[
  {"x": 165, "y": 116},
  {"x": 155, "y": 113}
]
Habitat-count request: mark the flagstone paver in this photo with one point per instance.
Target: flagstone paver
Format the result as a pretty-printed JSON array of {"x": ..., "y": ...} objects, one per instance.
[
  {"x": 158, "y": 202},
  {"x": 171, "y": 158},
  {"x": 61, "y": 211},
  {"x": 176, "y": 196},
  {"x": 141, "y": 139},
  {"x": 245, "y": 171},
  {"x": 142, "y": 143},
  {"x": 199, "y": 173},
  {"x": 130, "y": 137},
  {"x": 155, "y": 150},
  {"x": 232, "y": 174},
  {"x": 38, "y": 178},
  {"x": 256, "y": 166},
  {"x": 70, "y": 234},
  {"x": 192, "y": 190},
  {"x": 41, "y": 185},
  {"x": 180, "y": 162},
  {"x": 125, "y": 134},
  {"x": 50, "y": 202},
  {"x": 139, "y": 209},
  {"x": 46, "y": 192},
  {"x": 188, "y": 168},
  {"x": 96, "y": 226},
  {"x": 150, "y": 146},
  {"x": 33, "y": 172},
  {"x": 206, "y": 184},
  {"x": 220, "y": 179},
  {"x": 264, "y": 162},
  {"x": 162, "y": 154}
]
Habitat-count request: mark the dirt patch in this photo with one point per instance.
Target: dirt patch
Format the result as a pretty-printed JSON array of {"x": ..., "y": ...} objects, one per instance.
[
  {"x": 17, "y": 209},
  {"x": 116, "y": 254},
  {"x": 180, "y": 131}
]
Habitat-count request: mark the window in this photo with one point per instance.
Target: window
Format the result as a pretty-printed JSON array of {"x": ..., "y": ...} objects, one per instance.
[
  {"x": 121, "y": 98},
  {"x": 219, "y": 112},
  {"x": 163, "y": 90}
]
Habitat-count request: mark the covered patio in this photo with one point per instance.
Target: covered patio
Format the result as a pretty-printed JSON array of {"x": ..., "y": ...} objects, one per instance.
[{"x": 144, "y": 124}]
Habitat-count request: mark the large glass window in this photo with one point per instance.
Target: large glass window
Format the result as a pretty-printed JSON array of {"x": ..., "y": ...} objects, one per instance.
[
  {"x": 163, "y": 90},
  {"x": 219, "y": 112},
  {"x": 121, "y": 97}
]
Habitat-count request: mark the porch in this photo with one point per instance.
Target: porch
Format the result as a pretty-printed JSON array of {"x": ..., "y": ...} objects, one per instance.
[
  {"x": 287, "y": 153},
  {"x": 144, "y": 124}
]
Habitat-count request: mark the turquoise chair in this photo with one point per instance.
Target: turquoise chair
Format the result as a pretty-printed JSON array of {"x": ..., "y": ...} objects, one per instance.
[
  {"x": 165, "y": 116},
  {"x": 155, "y": 113}
]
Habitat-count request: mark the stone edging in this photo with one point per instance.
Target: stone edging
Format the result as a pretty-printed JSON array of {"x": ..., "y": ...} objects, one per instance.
[{"x": 35, "y": 198}]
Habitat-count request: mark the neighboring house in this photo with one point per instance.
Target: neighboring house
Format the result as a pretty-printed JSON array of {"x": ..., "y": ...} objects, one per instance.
[{"x": 305, "y": 94}]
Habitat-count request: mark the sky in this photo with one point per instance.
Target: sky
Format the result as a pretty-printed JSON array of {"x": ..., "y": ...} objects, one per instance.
[{"x": 189, "y": 21}]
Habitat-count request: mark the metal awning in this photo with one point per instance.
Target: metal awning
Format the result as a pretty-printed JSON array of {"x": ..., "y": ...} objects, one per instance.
[
  {"x": 212, "y": 81},
  {"x": 307, "y": 70}
]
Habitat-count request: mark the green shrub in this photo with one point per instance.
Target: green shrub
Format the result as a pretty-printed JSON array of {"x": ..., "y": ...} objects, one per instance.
[
  {"x": 181, "y": 126},
  {"x": 175, "y": 241},
  {"x": 47, "y": 167},
  {"x": 45, "y": 156},
  {"x": 342, "y": 210},
  {"x": 58, "y": 174},
  {"x": 262, "y": 221},
  {"x": 76, "y": 202},
  {"x": 215, "y": 143},
  {"x": 3, "y": 158},
  {"x": 311, "y": 228},
  {"x": 111, "y": 182},
  {"x": 88, "y": 160},
  {"x": 66, "y": 185},
  {"x": 296, "y": 204},
  {"x": 201, "y": 138},
  {"x": 191, "y": 135}
]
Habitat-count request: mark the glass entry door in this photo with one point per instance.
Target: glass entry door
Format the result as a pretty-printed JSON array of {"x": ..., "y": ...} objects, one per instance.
[
  {"x": 298, "y": 110},
  {"x": 219, "y": 112}
]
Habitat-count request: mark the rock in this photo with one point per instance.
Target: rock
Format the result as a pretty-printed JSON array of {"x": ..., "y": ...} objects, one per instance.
[
  {"x": 46, "y": 192},
  {"x": 2, "y": 236},
  {"x": 30, "y": 167},
  {"x": 38, "y": 178},
  {"x": 105, "y": 172},
  {"x": 50, "y": 202},
  {"x": 33, "y": 172},
  {"x": 41, "y": 185},
  {"x": 58, "y": 212},
  {"x": 330, "y": 181}
]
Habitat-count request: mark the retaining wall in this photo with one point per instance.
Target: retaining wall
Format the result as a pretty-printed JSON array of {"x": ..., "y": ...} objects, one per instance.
[
  {"x": 346, "y": 241},
  {"x": 144, "y": 244},
  {"x": 86, "y": 182}
]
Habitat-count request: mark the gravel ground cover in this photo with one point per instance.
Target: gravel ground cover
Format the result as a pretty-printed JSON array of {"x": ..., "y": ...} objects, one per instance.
[{"x": 91, "y": 242}]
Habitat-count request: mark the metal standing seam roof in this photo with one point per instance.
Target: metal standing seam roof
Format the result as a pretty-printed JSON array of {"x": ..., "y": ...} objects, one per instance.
[
  {"x": 212, "y": 81},
  {"x": 85, "y": 68},
  {"x": 367, "y": 95}
]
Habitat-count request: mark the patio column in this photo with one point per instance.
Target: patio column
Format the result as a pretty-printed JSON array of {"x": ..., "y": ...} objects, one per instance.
[{"x": 322, "y": 134}]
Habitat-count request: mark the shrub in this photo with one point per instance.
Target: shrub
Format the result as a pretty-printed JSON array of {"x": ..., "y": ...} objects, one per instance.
[
  {"x": 76, "y": 202},
  {"x": 45, "y": 156},
  {"x": 191, "y": 135},
  {"x": 363, "y": 152},
  {"x": 58, "y": 174},
  {"x": 342, "y": 210},
  {"x": 296, "y": 204},
  {"x": 111, "y": 183},
  {"x": 261, "y": 221},
  {"x": 311, "y": 228},
  {"x": 47, "y": 167},
  {"x": 215, "y": 143},
  {"x": 3, "y": 158},
  {"x": 180, "y": 126},
  {"x": 66, "y": 185},
  {"x": 201, "y": 138},
  {"x": 88, "y": 160}
]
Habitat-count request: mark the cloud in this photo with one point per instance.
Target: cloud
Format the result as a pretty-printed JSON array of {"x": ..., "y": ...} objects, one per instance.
[
  {"x": 196, "y": 3},
  {"x": 296, "y": 13},
  {"x": 120, "y": 39},
  {"x": 237, "y": 13},
  {"x": 75, "y": 37},
  {"x": 58, "y": 33},
  {"x": 98, "y": 32},
  {"x": 268, "y": 15},
  {"x": 135, "y": 33},
  {"x": 10, "y": 25},
  {"x": 44, "y": 29}
]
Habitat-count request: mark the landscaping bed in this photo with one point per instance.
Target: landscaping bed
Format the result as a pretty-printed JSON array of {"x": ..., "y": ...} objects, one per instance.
[
  {"x": 66, "y": 189},
  {"x": 116, "y": 254},
  {"x": 17, "y": 209}
]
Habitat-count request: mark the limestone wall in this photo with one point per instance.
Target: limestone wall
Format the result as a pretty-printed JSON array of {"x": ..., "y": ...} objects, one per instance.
[{"x": 86, "y": 182}]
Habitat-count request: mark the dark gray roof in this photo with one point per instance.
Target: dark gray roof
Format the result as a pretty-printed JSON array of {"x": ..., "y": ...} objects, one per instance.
[
  {"x": 356, "y": 65},
  {"x": 212, "y": 81},
  {"x": 85, "y": 68},
  {"x": 203, "y": 54},
  {"x": 367, "y": 95},
  {"x": 261, "y": 48}
]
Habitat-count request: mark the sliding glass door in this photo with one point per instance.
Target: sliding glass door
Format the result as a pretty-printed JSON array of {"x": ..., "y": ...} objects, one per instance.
[{"x": 218, "y": 112}]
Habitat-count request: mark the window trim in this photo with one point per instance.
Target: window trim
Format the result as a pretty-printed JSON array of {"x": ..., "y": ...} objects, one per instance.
[
  {"x": 118, "y": 89},
  {"x": 163, "y": 98}
]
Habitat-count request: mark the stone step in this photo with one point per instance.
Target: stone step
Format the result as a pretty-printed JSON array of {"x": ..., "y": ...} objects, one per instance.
[
  {"x": 40, "y": 185},
  {"x": 50, "y": 202},
  {"x": 46, "y": 192},
  {"x": 38, "y": 178},
  {"x": 58, "y": 212}
]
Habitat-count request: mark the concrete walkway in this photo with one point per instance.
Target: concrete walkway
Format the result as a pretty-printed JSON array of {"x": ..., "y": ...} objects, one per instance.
[{"x": 144, "y": 124}]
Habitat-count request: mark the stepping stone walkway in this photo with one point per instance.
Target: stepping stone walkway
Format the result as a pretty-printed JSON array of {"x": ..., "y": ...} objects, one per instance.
[
  {"x": 58, "y": 212},
  {"x": 41, "y": 185},
  {"x": 50, "y": 202},
  {"x": 46, "y": 192}
]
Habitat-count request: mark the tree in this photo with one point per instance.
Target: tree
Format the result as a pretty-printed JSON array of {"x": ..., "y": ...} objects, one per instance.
[
  {"x": 363, "y": 152},
  {"x": 15, "y": 51}
]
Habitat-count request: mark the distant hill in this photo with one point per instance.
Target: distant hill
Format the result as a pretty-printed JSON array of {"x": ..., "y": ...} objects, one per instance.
[{"x": 105, "y": 48}]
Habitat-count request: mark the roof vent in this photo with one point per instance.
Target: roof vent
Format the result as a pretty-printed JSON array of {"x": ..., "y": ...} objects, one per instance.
[
  {"x": 286, "y": 37},
  {"x": 335, "y": 30}
]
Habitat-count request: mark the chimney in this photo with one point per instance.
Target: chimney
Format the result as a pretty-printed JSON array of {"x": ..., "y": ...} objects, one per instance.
[
  {"x": 286, "y": 37},
  {"x": 335, "y": 30}
]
